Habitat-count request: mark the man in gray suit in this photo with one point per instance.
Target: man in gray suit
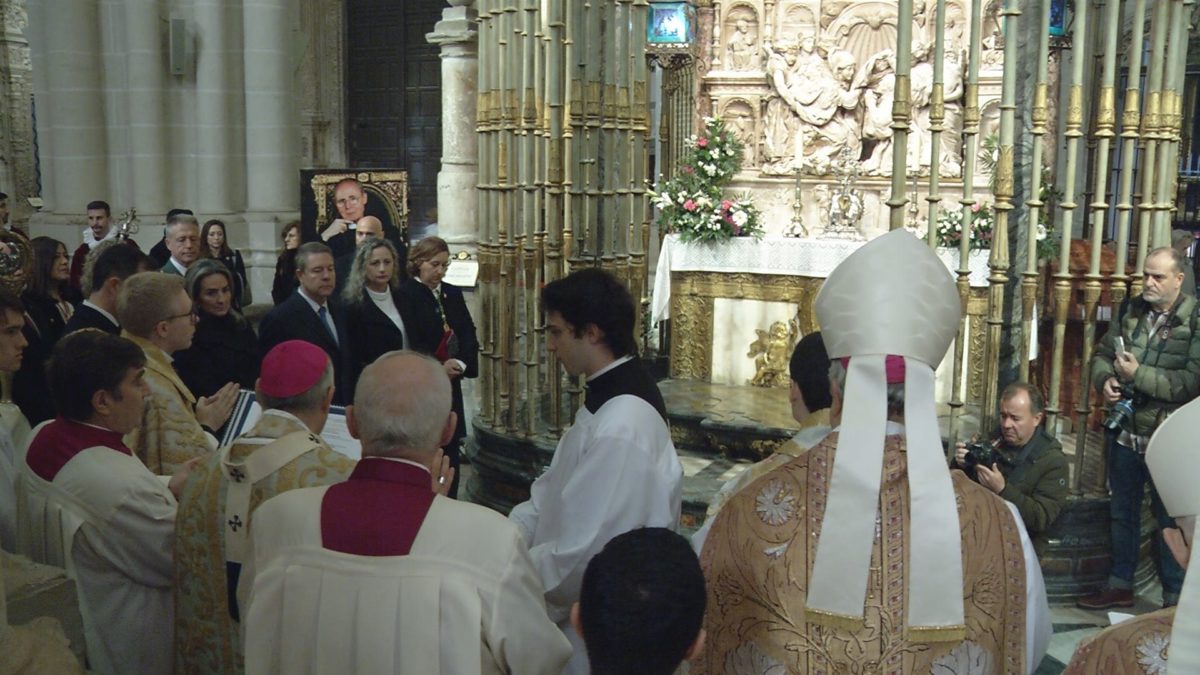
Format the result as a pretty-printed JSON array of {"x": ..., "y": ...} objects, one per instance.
[{"x": 183, "y": 241}]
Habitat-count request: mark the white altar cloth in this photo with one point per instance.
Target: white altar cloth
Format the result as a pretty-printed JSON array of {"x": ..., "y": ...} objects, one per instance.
[{"x": 790, "y": 256}]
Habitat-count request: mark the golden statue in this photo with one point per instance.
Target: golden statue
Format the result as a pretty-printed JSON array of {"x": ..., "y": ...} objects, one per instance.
[{"x": 772, "y": 352}]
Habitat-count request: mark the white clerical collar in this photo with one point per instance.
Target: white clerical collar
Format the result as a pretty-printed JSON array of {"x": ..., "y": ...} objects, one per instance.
[
  {"x": 403, "y": 461},
  {"x": 178, "y": 265},
  {"x": 316, "y": 306},
  {"x": 103, "y": 312},
  {"x": 614, "y": 364}
]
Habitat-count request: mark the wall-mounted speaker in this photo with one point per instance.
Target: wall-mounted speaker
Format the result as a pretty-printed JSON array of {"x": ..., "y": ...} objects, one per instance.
[{"x": 178, "y": 47}]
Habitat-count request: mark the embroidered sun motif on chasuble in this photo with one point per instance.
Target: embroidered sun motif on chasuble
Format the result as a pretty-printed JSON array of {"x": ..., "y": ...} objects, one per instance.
[
  {"x": 1152, "y": 653},
  {"x": 775, "y": 504}
]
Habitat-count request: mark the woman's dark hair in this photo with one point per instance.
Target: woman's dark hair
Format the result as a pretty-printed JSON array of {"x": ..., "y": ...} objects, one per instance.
[
  {"x": 45, "y": 251},
  {"x": 205, "y": 251},
  {"x": 293, "y": 225},
  {"x": 85, "y": 362}
]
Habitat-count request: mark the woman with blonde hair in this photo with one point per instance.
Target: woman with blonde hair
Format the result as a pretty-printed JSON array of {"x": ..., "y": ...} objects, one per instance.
[
  {"x": 442, "y": 327},
  {"x": 377, "y": 316}
]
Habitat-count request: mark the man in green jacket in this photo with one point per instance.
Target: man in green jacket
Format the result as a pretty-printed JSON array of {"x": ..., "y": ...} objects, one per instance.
[
  {"x": 1150, "y": 361},
  {"x": 1032, "y": 471}
]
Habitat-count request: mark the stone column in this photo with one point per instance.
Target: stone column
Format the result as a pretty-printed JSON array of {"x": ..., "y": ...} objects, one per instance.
[
  {"x": 219, "y": 130},
  {"x": 457, "y": 207},
  {"x": 272, "y": 134},
  {"x": 17, "y": 175},
  {"x": 69, "y": 106},
  {"x": 139, "y": 97}
]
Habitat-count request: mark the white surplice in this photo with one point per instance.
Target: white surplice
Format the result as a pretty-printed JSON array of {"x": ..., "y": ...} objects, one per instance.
[
  {"x": 121, "y": 555},
  {"x": 613, "y": 471},
  {"x": 464, "y": 601}
]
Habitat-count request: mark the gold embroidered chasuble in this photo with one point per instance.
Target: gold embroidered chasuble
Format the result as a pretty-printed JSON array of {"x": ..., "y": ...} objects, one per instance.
[
  {"x": 207, "y": 640},
  {"x": 1137, "y": 646},
  {"x": 758, "y": 558},
  {"x": 786, "y": 451},
  {"x": 169, "y": 434}
]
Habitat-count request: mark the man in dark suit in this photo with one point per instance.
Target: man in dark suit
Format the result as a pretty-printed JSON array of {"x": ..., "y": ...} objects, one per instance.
[
  {"x": 308, "y": 314},
  {"x": 115, "y": 263}
]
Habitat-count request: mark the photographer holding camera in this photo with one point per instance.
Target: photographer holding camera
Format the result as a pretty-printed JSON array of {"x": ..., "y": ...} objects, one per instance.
[
  {"x": 1025, "y": 466},
  {"x": 1145, "y": 366}
]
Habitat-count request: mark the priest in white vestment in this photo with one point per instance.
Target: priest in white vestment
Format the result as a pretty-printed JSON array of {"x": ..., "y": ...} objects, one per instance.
[
  {"x": 435, "y": 586},
  {"x": 615, "y": 469},
  {"x": 121, "y": 517}
]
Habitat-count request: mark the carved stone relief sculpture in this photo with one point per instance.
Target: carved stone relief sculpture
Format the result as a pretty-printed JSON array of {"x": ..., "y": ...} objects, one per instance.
[
  {"x": 741, "y": 48},
  {"x": 740, "y": 119}
]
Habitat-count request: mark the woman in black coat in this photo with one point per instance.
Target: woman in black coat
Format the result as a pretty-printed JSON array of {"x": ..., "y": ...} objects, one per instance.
[
  {"x": 377, "y": 317},
  {"x": 442, "y": 327},
  {"x": 285, "y": 282},
  {"x": 215, "y": 245},
  {"x": 47, "y": 299},
  {"x": 224, "y": 348}
]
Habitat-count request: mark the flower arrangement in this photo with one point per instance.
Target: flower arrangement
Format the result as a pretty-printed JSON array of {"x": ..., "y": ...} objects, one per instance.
[
  {"x": 949, "y": 226},
  {"x": 692, "y": 202}
]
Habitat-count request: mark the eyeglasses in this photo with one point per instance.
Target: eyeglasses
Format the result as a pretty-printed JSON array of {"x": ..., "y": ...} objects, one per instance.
[{"x": 191, "y": 315}]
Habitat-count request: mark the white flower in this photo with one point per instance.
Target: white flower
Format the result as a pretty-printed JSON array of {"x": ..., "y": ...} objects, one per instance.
[
  {"x": 968, "y": 658},
  {"x": 704, "y": 202},
  {"x": 775, "y": 504},
  {"x": 740, "y": 218},
  {"x": 710, "y": 169},
  {"x": 730, "y": 152},
  {"x": 1041, "y": 232},
  {"x": 1152, "y": 653}
]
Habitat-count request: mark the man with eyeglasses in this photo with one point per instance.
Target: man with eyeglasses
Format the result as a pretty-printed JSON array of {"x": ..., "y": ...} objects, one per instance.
[{"x": 156, "y": 314}]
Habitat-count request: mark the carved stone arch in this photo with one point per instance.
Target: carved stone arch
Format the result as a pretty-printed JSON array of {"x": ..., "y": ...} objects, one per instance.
[
  {"x": 741, "y": 117},
  {"x": 796, "y": 20},
  {"x": 741, "y": 51},
  {"x": 864, "y": 29},
  {"x": 989, "y": 120}
]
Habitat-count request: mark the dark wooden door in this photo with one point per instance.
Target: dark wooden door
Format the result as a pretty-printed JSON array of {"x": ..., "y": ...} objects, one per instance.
[{"x": 393, "y": 97}]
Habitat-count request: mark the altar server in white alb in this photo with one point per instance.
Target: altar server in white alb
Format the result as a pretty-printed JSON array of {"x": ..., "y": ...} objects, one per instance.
[
  {"x": 119, "y": 517},
  {"x": 383, "y": 573},
  {"x": 615, "y": 469}
]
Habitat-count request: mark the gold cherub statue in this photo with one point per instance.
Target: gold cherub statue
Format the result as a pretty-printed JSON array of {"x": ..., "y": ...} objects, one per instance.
[{"x": 772, "y": 352}]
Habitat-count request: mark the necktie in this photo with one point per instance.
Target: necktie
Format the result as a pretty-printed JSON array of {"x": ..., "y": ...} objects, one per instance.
[{"x": 323, "y": 314}]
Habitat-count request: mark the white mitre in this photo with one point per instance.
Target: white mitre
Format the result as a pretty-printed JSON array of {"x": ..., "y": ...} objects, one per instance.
[
  {"x": 890, "y": 297},
  {"x": 1175, "y": 469}
]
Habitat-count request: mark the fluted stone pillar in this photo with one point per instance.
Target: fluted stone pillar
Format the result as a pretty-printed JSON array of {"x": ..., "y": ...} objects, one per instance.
[
  {"x": 70, "y": 96},
  {"x": 220, "y": 126},
  {"x": 17, "y": 172},
  {"x": 457, "y": 207},
  {"x": 272, "y": 134}
]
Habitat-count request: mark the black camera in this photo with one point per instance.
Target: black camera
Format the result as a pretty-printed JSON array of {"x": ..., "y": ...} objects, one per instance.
[
  {"x": 1121, "y": 411},
  {"x": 980, "y": 453}
]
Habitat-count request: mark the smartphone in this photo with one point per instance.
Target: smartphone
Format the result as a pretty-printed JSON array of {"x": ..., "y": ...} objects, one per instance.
[{"x": 1119, "y": 345}]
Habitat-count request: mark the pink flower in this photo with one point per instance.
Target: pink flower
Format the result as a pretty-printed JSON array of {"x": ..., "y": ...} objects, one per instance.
[
  {"x": 689, "y": 205},
  {"x": 687, "y": 169},
  {"x": 702, "y": 142},
  {"x": 975, "y": 207},
  {"x": 726, "y": 205}
]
